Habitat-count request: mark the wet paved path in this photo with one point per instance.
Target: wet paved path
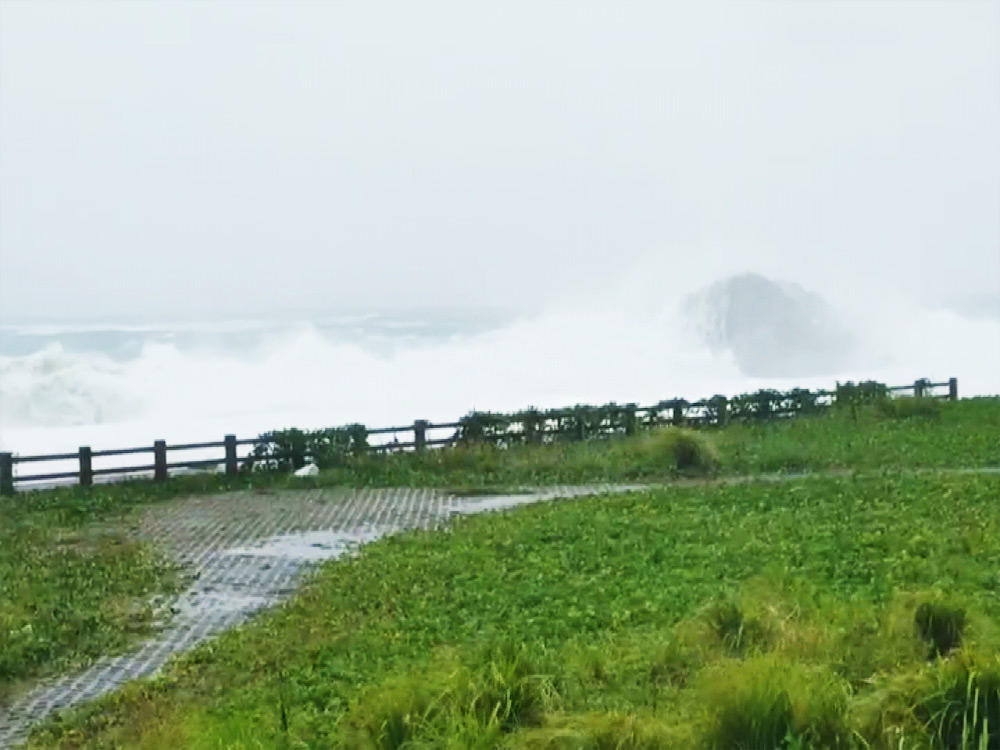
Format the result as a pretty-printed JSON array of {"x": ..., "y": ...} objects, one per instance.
[{"x": 245, "y": 551}]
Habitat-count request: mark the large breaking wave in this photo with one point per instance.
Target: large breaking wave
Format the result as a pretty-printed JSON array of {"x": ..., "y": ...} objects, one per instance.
[{"x": 730, "y": 337}]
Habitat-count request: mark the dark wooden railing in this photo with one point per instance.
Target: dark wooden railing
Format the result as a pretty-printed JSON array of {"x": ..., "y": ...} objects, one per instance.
[{"x": 545, "y": 426}]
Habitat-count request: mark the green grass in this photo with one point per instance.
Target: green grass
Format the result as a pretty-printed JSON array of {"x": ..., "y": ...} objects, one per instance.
[
  {"x": 705, "y": 616},
  {"x": 72, "y": 588},
  {"x": 962, "y": 434},
  {"x": 954, "y": 435}
]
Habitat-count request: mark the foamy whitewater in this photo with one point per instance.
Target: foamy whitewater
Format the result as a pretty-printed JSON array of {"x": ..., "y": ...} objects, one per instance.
[{"x": 123, "y": 384}]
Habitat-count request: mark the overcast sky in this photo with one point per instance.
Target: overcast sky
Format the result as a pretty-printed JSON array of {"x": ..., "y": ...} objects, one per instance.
[{"x": 247, "y": 156}]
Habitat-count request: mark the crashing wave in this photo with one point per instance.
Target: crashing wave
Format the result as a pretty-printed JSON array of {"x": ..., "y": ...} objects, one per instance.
[
  {"x": 52, "y": 387},
  {"x": 773, "y": 329}
]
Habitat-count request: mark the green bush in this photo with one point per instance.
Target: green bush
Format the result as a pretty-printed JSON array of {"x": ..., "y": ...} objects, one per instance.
[
  {"x": 681, "y": 448},
  {"x": 580, "y": 422},
  {"x": 853, "y": 395},
  {"x": 485, "y": 427},
  {"x": 288, "y": 449}
]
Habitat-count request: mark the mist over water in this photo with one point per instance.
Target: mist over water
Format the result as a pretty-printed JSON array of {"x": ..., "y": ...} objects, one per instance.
[
  {"x": 236, "y": 217},
  {"x": 631, "y": 340}
]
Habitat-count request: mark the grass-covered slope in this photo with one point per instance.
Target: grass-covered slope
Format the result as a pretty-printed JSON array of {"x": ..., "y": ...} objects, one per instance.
[
  {"x": 935, "y": 434},
  {"x": 73, "y": 588},
  {"x": 823, "y": 612},
  {"x": 70, "y": 588}
]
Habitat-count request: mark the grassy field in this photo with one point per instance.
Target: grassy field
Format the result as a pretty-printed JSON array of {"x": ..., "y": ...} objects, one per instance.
[
  {"x": 959, "y": 434},
  {"x": 72, "y": 588},
  {"x": 822, "y": 612}
]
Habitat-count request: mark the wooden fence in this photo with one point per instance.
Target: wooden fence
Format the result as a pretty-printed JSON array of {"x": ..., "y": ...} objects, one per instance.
[{"x": 529, "y": 426}]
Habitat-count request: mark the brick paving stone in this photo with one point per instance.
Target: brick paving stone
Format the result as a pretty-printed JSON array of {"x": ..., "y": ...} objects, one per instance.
[{"x": 245, "y": 551}]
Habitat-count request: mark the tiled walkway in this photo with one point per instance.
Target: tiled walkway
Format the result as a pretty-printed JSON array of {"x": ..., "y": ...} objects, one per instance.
[{"x": 246, "y": 551}]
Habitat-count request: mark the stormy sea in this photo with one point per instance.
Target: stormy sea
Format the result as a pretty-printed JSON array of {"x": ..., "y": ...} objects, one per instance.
[{"x": 125, "y": 382}]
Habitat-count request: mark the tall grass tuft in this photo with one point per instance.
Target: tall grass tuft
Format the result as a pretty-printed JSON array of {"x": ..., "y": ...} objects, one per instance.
[
  {"x": 510, "y": 689},
  {"x": 769, "y": 702},
  {"x": 737, "y": 632},
  {"x": 504, "y": 689},
  {"x": 941, "y": 627},
  {"x": 963, "y": 710},
  {"x": 395, "y": 713},
  {"x": 681, "y": 449}
]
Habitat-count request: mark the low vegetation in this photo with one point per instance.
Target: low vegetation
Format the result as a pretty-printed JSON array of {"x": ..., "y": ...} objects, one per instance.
[
  {"x": 849, "y": 609},
  {"x": 962, "y": 434},
  {"x": 71, "y": 588},
  {"x": 819, "y": 612}
]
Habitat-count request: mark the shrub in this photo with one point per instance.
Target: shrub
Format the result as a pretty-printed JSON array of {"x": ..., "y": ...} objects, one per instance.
[
  {"x": 682, "y": 449},
  {"x": 852, "y": 395},
  {"x": 580, "y": 422},
  {"x": 288, "y": 449},
  {"x": 484, "y": 426}
]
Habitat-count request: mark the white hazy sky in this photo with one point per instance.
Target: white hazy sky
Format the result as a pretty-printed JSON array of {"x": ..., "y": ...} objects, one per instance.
[{"x": 248, "y": 156}]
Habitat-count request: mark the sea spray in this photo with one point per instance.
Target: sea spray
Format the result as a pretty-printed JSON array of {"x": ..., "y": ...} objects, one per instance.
[{"x": 626, "y": 343}]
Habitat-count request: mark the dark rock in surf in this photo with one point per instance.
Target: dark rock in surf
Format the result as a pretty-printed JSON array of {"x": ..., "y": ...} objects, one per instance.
[{"x": 773, "y": 329}]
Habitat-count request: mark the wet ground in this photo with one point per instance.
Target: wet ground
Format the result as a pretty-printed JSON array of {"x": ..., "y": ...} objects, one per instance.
[
  {"x": 249, "y": 550},
  {"x": 245, "y": 551}
]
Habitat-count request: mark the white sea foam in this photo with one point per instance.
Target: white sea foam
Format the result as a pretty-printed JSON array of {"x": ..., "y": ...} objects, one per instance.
[{"x": 628, "y": 343}]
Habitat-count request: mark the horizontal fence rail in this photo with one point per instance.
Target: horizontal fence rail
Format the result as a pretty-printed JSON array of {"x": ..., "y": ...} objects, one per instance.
[{"x": 527, "y": 426}]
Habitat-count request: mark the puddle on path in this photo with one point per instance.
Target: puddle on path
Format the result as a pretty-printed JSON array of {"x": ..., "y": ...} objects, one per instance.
[
  {"x": 308, "y": 545},
  {"x": 196, "y": 603},
  {"x": 464, "y": 506}
]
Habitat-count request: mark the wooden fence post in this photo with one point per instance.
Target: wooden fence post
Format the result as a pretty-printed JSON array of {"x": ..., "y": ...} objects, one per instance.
[
  {"x": 232, "y": 467},
  {"x": 630, "y": 419},
  {"x": 530, "y": 423},
  {"x": 6, "y": 473},
  {"x": 953, "y": 389},
  {"x": 722, "y": 416},
  {"x": 86, "y": 466},
  {"x": 420, "y": 434},
  {"x": 160, "y": 460},
  {"x": 918, "y": 388},
  {"x": 678, "y": 416},
  {"x": 763, "y": 405}
]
